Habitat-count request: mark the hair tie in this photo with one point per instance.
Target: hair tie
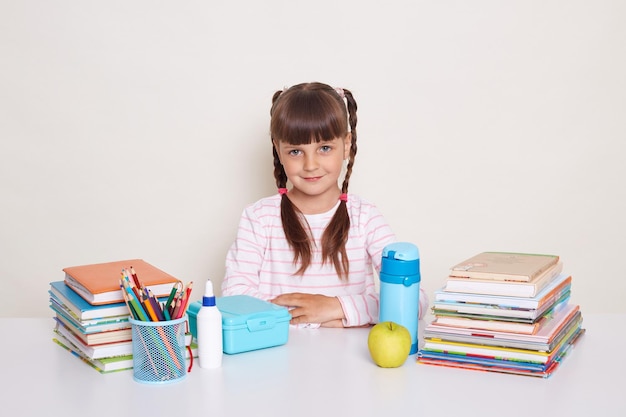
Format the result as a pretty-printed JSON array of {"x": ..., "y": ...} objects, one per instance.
[
  {"x": 339, "y": 91},
  {"x": 343, "y": 197},
  {"x": 282, "y": 191}
]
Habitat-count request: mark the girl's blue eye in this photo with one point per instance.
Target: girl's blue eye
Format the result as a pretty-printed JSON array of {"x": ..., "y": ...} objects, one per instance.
[
  {"x": 294, "y": 152},
  {"x": 326, "y": 148}
]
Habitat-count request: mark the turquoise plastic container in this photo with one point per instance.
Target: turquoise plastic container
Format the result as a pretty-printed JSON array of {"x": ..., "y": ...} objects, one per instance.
[
  {"x": 400, "y": 287},
  {"x": 248, "y": 323}
]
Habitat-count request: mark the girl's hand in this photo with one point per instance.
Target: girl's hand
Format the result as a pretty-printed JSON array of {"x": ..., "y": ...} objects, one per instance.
[{"x": 312, "y": 308}]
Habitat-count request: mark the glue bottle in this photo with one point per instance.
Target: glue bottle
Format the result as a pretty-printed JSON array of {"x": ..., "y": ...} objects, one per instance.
[{"x": 209, "y": 331}]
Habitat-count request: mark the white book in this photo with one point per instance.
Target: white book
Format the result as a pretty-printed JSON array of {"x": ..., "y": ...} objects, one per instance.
[
  {"x": 549, "y": 294},
  {"x": 508, "y": 288}
]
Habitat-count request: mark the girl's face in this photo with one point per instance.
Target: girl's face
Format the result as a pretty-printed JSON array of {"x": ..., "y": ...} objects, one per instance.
[{"x": 314, "y": 169}]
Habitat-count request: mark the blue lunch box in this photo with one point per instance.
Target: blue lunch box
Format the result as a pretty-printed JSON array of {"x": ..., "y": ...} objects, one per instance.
[{"x": 248, "y": 323}]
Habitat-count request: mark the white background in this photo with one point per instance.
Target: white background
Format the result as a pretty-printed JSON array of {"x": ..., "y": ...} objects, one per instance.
[{"x": 139, "y": 129}]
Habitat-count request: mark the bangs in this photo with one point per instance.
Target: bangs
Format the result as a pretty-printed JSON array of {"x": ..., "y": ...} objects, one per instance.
[{"x": 308, "y": 116}]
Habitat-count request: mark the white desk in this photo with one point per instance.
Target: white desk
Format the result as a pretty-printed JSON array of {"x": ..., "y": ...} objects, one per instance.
[{"x": 325, "y": 372}]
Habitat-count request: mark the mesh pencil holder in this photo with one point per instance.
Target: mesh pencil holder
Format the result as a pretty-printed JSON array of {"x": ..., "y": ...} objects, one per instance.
[{"x": 159, "y": 351}]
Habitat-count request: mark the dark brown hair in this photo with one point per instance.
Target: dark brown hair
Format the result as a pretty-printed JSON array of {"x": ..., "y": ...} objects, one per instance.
[{"x": 301, "y": 115}]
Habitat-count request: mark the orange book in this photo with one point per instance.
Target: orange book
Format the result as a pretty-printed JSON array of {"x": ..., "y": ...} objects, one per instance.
[{"x": 100, "y": 283}]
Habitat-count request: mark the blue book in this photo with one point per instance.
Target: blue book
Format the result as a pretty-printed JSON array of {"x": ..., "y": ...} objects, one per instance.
[{"x": 81, "y": 308}]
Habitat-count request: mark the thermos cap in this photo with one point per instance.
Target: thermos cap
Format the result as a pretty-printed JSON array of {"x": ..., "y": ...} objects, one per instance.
[
  {"x": 403, "y": 251},
  {"x": 400, "y": 264}
]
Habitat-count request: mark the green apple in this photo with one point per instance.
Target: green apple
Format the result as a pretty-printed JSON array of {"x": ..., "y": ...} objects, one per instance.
[{"x": 389, "y": 344}]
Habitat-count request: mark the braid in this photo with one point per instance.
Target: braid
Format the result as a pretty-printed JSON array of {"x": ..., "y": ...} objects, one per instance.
[
  {"x": 336, "y": 234},
  {"x": 297, "y": 236},
  {"x": 352, "y": 119},
  {"x": 279, "y": 171}
]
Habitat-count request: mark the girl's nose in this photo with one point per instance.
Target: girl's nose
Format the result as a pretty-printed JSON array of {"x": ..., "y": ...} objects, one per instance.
[{"x": 310, "y": 162}]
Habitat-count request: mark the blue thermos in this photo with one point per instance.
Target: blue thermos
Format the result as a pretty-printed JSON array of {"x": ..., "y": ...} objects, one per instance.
[{"x": 400, "y": 287}]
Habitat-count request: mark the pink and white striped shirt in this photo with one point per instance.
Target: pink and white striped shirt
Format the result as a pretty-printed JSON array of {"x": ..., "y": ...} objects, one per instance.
[{"x": 260, "y": 262}]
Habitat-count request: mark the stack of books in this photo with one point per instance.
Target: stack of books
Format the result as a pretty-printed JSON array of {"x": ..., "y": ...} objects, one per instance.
[
  {"x": 503, "y": 312},
  {"x": 92, "y": 318}
]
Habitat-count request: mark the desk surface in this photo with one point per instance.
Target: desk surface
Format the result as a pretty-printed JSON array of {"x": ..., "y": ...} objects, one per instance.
[{"x": 323, "y": 372}]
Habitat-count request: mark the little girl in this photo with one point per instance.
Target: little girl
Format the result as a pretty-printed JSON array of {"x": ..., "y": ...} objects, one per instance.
[{"x": 313, "y": 247}]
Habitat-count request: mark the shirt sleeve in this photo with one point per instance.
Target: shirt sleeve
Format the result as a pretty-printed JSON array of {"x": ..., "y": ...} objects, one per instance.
[
  {"x": 423, "y": 303},
  {"x": 245, "y": 257},
  {"x": 359, "y": 309}
]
